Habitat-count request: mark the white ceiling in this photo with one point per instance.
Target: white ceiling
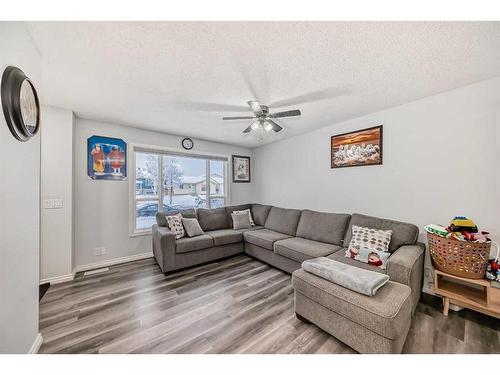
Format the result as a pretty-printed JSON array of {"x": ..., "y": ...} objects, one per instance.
[{"x": 182, "y": 77}]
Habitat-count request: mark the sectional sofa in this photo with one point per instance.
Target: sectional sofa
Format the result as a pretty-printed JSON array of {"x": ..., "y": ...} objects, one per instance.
[{"x": 284, "y": 238}]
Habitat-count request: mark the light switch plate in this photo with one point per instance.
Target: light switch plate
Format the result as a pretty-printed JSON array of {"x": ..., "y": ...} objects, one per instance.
[{"x": 53, "y": 204}]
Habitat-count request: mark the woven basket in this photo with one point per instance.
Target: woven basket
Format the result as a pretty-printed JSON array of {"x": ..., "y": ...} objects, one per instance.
[{"x": 459, "y": 258}]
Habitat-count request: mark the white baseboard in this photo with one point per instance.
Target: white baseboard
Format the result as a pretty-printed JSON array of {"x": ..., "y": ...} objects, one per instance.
[
  {"x": 58, "y": 279},
  {"x": 36, "y": 345},
  {"x": 111, "y": 262},
  {"x": 91, "y": 266}
]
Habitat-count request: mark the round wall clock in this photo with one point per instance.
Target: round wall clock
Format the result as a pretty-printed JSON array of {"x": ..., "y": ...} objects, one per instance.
[
  {"x": 20, "y": 104},
  {"x": 187, "y": 143}
]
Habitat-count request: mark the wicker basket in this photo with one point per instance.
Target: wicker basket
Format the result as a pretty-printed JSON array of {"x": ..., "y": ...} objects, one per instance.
[{"x": 459, "y": 258}]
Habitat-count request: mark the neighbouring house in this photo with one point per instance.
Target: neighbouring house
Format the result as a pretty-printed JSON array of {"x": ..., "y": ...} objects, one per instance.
[
  {"x": 198, "y": 185},
  {"x": 144, "y": 184}
]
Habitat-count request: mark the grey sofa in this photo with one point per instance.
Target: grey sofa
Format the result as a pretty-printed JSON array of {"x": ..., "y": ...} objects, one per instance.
[{"x": 284, "y": 238}]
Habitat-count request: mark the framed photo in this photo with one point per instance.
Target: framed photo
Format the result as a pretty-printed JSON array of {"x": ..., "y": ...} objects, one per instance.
[
  {"x": 106, "y": 158},
  {"x": 357, "y": 148},
  {"x": 241, "y": 168}
]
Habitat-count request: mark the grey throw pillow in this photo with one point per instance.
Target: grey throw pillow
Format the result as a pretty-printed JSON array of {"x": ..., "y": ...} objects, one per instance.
[
  {"x": 192, "y": 227},
  {"x": 241, "y": 220}
]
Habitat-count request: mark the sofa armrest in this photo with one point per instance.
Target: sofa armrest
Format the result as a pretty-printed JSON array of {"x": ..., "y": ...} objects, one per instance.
[
  {"x": 406, "y": 266},
  {"x": 164, "y": 247}
]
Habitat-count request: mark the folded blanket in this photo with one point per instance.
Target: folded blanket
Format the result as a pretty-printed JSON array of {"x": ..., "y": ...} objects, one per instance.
[{"x": 350, "y": 277}]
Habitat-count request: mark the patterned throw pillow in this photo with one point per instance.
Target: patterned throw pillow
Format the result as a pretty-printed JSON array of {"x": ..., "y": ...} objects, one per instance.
[
  {"x": 249, "y": 215},
  {"x": 369, "y": 246},
  {"x": 174, "y": 223}
]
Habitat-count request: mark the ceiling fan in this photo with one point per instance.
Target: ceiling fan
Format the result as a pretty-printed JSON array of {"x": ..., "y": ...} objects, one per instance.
[{"x": 263, "y": 120}]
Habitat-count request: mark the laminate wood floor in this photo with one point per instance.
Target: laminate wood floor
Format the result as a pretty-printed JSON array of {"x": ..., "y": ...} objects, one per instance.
[{"x": 236, "y": 305}]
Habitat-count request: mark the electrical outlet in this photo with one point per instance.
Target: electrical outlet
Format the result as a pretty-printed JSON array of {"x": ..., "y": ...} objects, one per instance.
[
  {"x": 103, "y": 250},
  {"x": 97, "y": 251}
]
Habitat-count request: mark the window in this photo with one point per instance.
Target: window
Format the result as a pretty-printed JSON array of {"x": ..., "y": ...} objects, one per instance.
[{"x": 170, "y": 182}]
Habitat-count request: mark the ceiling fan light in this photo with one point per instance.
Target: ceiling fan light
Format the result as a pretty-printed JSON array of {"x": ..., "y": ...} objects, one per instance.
[
  {"x": 268, "y": 127},
  {"x": 255, "y": 125}
]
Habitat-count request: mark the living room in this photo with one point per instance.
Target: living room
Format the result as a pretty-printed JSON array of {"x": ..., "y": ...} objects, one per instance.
[{"x": 312, "y": 187}]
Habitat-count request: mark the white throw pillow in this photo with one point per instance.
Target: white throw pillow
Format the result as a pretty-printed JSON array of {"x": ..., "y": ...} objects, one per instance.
[
  {"x": 369, "y": 246},
  {"x": 174, "y": 223},
  {"x": 249, "y": 215},
  {"x": 240, "y": 220}
]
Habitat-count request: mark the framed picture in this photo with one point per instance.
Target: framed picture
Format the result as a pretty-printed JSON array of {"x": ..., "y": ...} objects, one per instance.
[
  {"x": 241, "y": 168},
  {"x": 357, "y": 148},
  {"x": 106, "y": 158}
]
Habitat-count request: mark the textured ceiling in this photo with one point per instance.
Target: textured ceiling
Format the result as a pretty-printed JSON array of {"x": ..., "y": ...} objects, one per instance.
[{"x": 182, "y": 77}]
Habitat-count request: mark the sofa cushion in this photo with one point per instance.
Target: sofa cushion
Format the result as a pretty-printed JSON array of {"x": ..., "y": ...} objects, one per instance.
[
  {"x": 402, "y": 233},
  {"x": 240, "y": 207},
  {"x": 339, "y": 256},
  {"x": 187, "y": 244},
  {"x": 257, "y": 227},
  {"x": 387, "y": 313},
  {"x": 161, "y": 216},
  {"x": 215, "y": 218},
  {"x": 323, "y": 226},
  {"x": 260, "y": 213},
  {"x": 300, "y": 249},
  {"x": 283, "y": 220},
  {"x": 225, "y": 236},
  {"x": 264, "y": 237}
]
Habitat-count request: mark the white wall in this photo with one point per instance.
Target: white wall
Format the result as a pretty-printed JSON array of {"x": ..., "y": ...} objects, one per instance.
[
  {"x": 101, "y": 209},
  {"x": 441, "y": 157},
  {"x": 56, "y": 183},
  {"x": 19, "y": 213}
]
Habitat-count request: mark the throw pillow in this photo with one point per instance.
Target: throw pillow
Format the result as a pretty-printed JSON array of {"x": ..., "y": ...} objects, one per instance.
[
  {"x": 192, "y": 227},
  {"x": 174, "y": 223},
  {"x": 249, "y": 216},
  {"x": 369, "y": 245},
  {"x": 241, "y": 220}
]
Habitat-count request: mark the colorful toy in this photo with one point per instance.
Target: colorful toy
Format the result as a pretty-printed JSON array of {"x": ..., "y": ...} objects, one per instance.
[
  {"x": 456, "y": 235},
  {"x": 461, "y": 223},
  {"x": 493, "y": 267},
  {"x": 436, "y": 229},
  {"x": 476, "y": 237}
]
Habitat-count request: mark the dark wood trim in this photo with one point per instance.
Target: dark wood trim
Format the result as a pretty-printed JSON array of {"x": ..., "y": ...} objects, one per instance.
[
  {"x": 358, "y": 131},
  {"x": 249, "y": 169}
]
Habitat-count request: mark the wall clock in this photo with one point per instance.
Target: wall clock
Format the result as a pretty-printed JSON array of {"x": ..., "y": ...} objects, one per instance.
[
  {"x": 20, "y": 104},
  {"x": 187, "y": 143}
]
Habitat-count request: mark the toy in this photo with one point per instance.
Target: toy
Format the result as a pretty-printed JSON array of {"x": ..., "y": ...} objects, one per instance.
[
  {"x": 436, "y": 229},
  {"x": 461, "y": 223},
  {"x": 476, "y": 237},
  {"x": 456, "y": 235},
  {"x": 493, "y": 267}
]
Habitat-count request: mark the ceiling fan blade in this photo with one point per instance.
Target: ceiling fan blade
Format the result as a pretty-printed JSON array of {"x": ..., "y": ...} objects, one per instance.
[
  {"x": 255, "y": 106},
  {"x": 276, "y": 127},
  {"x": 310, "y": 97},
  {"x": 293, "y": 112},
  {"x": 248, "y": 130},
  {"x": 239, "y": 118}
]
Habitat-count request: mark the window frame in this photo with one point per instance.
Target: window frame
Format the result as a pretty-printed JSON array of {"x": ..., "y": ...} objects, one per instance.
[{"x": 169, "y": 151}]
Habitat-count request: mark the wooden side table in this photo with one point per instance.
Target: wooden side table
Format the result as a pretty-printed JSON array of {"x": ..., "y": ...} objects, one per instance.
[{"x": 477, "y": 295}]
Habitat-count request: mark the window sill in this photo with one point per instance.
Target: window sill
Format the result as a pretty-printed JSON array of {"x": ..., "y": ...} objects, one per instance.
[{"x": 139, "y": 234}]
